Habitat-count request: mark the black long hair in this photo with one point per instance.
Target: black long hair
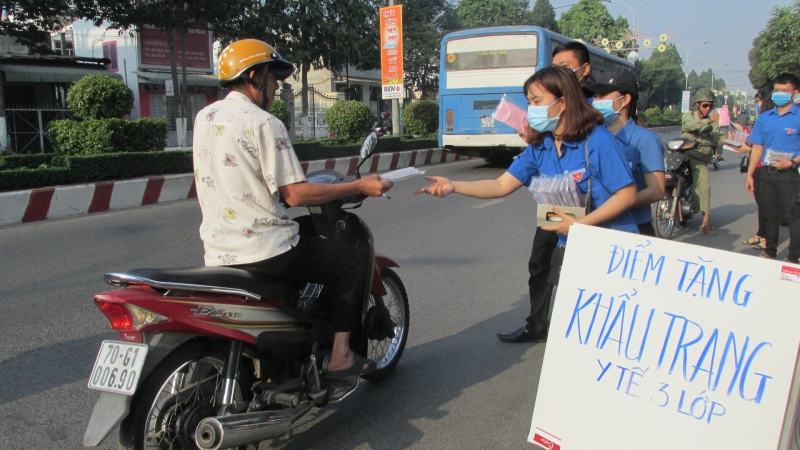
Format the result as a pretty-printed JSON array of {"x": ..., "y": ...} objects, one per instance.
[{"x": 579, "y": 117}]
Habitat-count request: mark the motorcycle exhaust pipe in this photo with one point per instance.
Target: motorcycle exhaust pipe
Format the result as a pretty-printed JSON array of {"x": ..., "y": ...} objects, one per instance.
[{"x": 214, "y": 433}]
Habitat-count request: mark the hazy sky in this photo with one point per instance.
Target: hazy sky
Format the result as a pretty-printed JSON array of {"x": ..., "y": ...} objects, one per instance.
[{"x": 730, "y": 25}]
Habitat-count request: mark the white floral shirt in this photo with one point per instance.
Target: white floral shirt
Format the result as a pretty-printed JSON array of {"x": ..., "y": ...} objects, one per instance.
[{"x": 242, "y": 154}]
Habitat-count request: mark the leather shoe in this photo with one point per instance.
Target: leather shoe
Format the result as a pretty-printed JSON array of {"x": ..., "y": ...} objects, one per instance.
[{"x": 523, "y": 335}]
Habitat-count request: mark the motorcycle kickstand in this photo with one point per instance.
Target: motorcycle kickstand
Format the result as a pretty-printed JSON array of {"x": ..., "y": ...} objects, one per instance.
[{"x": 229, "y": 382}]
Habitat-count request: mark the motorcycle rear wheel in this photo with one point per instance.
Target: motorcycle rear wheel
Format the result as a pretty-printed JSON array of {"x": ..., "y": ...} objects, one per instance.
[
  {"x": 387, "y": 352},
  {"x": 188, "y": 382},
  {"x": 664, "y": 216}
]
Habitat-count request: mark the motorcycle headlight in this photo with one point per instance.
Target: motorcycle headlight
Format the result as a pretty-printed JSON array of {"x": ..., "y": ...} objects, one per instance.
[{"x": 675, "y": 144}]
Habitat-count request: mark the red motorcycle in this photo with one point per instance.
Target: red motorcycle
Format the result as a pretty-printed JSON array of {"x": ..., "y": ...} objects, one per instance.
[{"x": 218, "y": 357}]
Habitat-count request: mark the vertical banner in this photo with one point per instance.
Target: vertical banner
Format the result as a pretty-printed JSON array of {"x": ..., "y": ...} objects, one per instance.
[
  {"x": 685, "y": 101},
  {"x": 391, "y": 18}
]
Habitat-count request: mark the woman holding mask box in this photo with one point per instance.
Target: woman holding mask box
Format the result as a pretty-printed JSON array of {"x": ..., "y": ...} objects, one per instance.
[{"x": 562, "y": 128}]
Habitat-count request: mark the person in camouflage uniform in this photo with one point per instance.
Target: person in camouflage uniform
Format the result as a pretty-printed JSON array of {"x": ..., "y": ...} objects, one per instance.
[{"x": 699, "y": 158}]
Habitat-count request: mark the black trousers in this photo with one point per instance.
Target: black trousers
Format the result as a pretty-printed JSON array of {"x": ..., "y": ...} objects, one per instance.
[
  {"x": 646, "y": 229},
  {"x": 334, "y": 263},
  {"x": 777, "y": 196},
  {"x": 540, "y": 290}
]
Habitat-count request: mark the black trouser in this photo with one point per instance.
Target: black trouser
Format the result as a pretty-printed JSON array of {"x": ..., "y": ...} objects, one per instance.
[
  {"x": 646, "y": 229},
  {"x": 777, "y": 196},
  {"x": 540, "y": 290},
  {"x": 334, "y": 263}
]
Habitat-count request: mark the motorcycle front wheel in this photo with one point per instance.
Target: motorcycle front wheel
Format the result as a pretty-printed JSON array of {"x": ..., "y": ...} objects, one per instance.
[
  {"x": 664, "y": 216},
  {"x": 183, "y": 390},
  {"x": 387, "y": 352}
]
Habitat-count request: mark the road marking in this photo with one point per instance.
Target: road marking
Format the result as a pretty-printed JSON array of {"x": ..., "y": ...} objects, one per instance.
[{"x": 490, "y": 203}]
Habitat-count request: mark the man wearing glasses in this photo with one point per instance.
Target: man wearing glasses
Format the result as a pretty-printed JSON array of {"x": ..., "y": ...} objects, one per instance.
[{"x": 699, "y": 158}]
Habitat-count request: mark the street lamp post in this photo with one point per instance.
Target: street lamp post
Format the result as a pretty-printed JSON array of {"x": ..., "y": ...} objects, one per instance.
[
  {"x": 712, "y": 72},
  {"x": 633, "y": 24},
  {"x": 688, "y": 52}
]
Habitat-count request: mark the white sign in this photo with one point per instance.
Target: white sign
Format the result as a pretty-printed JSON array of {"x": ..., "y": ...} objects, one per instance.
[
  {"x": 392, "y": 91},
  {"x": 169, "y": 87},
  {"x": 687, "y": 95},
  {"x": 656, "y": 344}
]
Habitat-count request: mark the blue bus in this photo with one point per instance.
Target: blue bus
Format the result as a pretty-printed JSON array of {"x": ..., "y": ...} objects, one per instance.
[{"x": 479, "y": 66}]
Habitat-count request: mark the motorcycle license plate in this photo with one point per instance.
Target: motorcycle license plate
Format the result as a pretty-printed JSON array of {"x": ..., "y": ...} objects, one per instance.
[
  {"x": 117, "y": 367},
  {"x": 487, "y": 122}
]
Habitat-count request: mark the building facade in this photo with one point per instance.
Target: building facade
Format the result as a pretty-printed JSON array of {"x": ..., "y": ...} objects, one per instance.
[{"x": 141, "y": 58}]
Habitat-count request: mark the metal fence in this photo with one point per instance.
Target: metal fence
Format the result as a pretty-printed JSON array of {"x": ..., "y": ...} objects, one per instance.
[
  {"x": 27, "y": 128},
  {"x": 313, "y": 125}
]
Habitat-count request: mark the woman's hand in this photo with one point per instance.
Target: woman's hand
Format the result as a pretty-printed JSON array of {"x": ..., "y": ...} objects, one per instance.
[
  {"x": 563, "y": 226},
  {"x": 744, "y": 148},
  {"x": 441, "y": 187}
]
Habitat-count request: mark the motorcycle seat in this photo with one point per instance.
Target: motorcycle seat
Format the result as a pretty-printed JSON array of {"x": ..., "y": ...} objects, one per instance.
[{"x": 206, "y": 278}]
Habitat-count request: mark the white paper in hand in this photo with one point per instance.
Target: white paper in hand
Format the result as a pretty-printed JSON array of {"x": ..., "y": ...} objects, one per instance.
[{"x": 401, "y": 174}]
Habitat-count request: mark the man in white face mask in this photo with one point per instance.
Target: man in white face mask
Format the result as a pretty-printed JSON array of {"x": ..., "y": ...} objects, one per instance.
[
  {"x": 573, "y": 56},
  {"x": 776, "y": 182}
]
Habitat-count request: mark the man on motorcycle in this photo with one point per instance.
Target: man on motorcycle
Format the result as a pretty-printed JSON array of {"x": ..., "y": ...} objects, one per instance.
[
  {"x": 692, "y": 122},
  {"x": 244, "y": 163}
]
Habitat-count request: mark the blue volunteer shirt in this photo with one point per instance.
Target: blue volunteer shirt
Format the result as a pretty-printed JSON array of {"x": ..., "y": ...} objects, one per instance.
[
  {"x": 645, "y": 154},
  {"x": 609, "y": 171},
  {"x": 778, "y": 132}
]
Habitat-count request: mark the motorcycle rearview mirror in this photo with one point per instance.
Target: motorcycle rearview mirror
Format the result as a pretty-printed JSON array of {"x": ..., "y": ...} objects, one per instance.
[
  {"x": 706, "y": 129},
  {"x": 367, "y": 149}
]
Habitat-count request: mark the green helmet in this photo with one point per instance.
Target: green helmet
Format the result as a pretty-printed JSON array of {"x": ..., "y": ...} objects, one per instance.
[{"x": 703, "y": 95}]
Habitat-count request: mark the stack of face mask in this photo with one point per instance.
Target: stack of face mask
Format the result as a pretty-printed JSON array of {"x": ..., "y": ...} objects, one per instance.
[{"x": 559, "y": 190}]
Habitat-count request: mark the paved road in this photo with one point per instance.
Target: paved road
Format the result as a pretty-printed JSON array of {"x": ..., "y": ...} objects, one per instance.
[{"x": 463, "y": 262}]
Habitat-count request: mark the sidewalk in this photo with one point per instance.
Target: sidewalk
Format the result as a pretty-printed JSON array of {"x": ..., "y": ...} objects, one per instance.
[{"x": 75, "y": 200}]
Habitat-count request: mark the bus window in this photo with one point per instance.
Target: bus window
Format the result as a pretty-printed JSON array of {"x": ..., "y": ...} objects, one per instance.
[{"x": 491, "y": 52}]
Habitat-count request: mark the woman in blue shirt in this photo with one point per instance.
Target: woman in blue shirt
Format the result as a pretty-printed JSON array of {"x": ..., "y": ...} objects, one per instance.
[
  {"x": 615, "y": 95},
  {"x": 561, "y": 121}
]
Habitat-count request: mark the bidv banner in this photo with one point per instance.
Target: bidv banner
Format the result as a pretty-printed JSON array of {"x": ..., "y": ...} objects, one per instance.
[{"x": 655, "y": 344}]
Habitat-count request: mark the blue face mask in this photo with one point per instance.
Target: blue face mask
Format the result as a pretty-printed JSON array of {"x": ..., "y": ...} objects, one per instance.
[
  {"x": 606, "y": 107},
  {"x": 781, "y": 98},
  {"x": 539, "y": 118}
]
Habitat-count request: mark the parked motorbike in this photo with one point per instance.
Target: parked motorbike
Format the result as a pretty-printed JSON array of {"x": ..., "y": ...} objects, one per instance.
[{"x": 218, "y": 357}]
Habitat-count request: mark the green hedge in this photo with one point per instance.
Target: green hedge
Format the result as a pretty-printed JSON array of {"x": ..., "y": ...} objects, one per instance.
[
  {"x": 99, "y": 97},
  {"x": 108, "y": 166},
  {"x": 24, "y": 161},
  {"x": 34, "y": 171},
  {"x": 349, "y": 120},
  {"x": 95, "y": 136},
  {"x": 421, "y": 117},
  {"x": 330, "y": 148}
]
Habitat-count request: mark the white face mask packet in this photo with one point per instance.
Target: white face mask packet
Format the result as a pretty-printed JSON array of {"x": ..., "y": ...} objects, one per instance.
[
  {"x": 773, "y": 155},
  {"x": 401, "y": 174}
]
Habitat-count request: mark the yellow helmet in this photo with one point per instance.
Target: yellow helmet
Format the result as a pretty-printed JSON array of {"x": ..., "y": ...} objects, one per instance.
[{"x": 240, "y": 56}]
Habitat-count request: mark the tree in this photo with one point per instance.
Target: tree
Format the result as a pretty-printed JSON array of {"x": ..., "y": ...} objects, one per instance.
[
  {"x": 170, "y": 16},
  {"x": 757, "y": 75},
  {"x": 492, "y": 13},
  {"x": 777, "y": 48},
  {"x": 661, "y": 79},
  {"x": 703, "y": 81},
  {"x": 588, "y": 19},
  {"x": 31, "y": 22},
  {"x": 543, "y": 15},
  {"x": 330, "y": 34},
  {"x": 425, "y": 22}
]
